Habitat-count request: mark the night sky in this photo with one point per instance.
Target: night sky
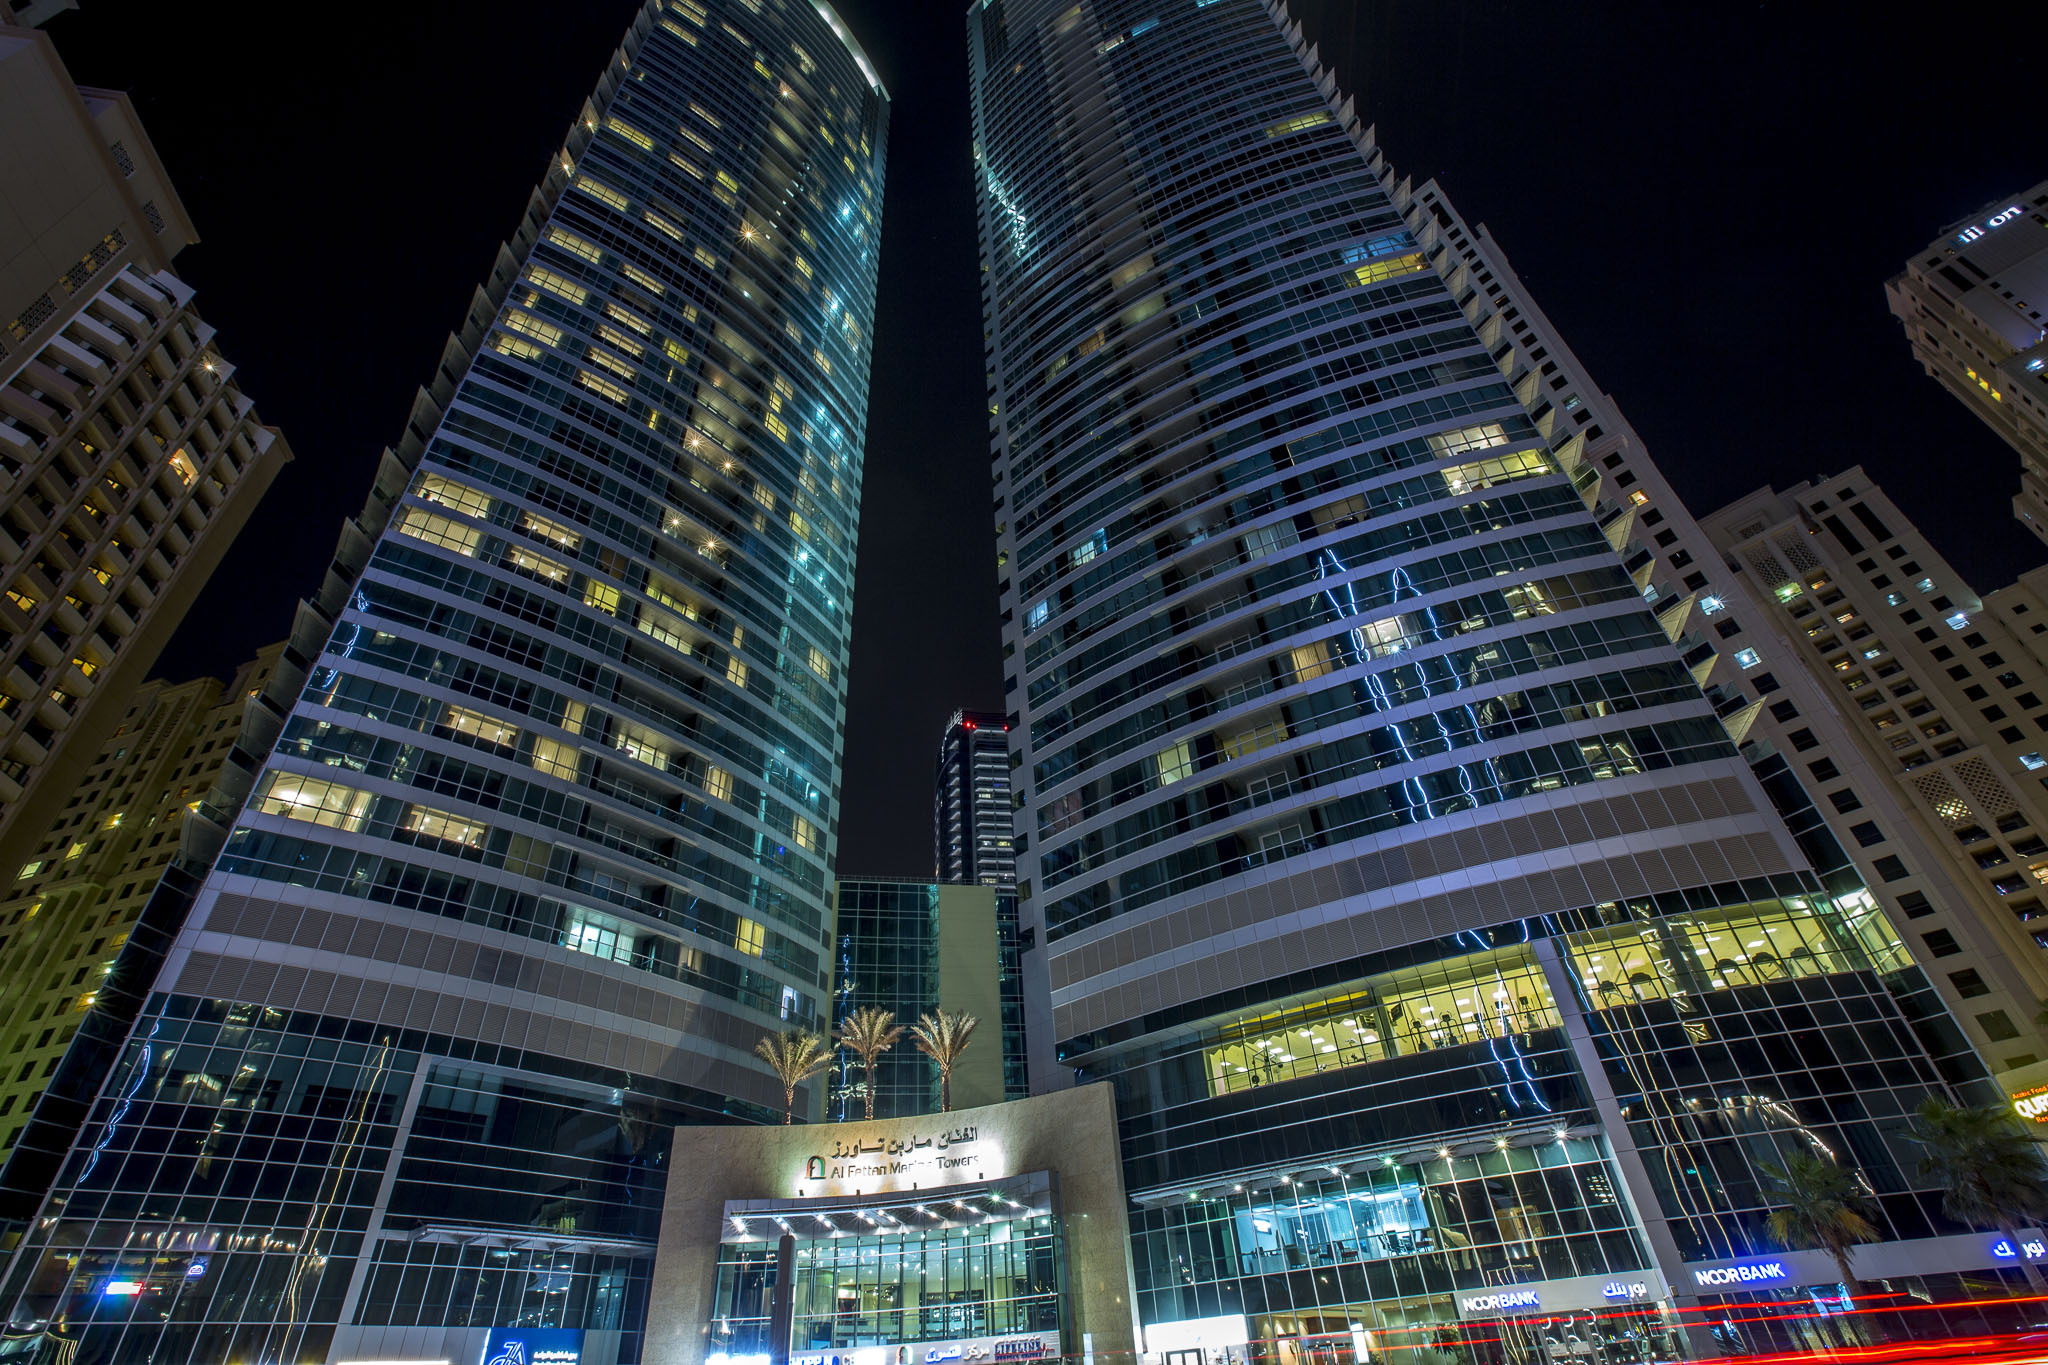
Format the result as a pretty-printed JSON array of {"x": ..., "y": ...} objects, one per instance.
[{"x": 1705, "y": 199}]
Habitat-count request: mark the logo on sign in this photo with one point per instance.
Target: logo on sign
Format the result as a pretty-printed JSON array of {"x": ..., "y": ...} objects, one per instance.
[
  {"x": 1996, "y": 220},
  {"x": 1754, "y": 1272},
  {"x": 1625, "y": 1290},
  {"x": 533, "y": 1346},
  {"x": 2032, "y": 1103},
  {"x": 1502, "y": 1302},
  {"x": 2032, "y": 1246}
]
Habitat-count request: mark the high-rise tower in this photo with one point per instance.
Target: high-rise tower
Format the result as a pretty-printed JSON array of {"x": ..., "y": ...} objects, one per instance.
[
  {"x": 972, "y": 821},
  {"x": 1376, "y": 839},
  {"x": 129, "y": 456},
  {"x": 543, "y": 847},
  {"x": 1974, "y": 305}
]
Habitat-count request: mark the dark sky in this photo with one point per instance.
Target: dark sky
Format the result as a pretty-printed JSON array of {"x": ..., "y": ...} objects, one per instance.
[{"x": 1706, "y": 200}]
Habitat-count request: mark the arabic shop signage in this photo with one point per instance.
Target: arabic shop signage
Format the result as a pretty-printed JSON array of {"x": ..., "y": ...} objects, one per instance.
[
  {"x": 1625, "y": 1291},
  {"x": 1742, "y": 1272},
  {"x": 914, "y": 1157},
  {"x": 2033, "y": 1246}
]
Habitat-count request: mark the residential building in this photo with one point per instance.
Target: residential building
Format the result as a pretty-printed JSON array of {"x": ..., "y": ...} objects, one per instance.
[
  {"x": 129, "y": 457},
  {"x": 972, "y": 819},
  {"x": 1975, "y": 308},
  {"x": 1378, "y": 843},
  {"x": 542, "y": 850},
  {"x": 914, "y": 948},
  {"x": 1852, "y": 821},
  {"x": 63, "y": 924},
  {"x": 1947, "y": 704}
]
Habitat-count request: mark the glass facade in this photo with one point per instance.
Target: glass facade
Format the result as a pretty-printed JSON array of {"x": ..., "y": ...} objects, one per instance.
[
  {"x": 888, "y": 959},
  {"x": 543, "y": 846},
  {"x": 1375, "y": 837},
  {"x": 985, "y": 1261}
]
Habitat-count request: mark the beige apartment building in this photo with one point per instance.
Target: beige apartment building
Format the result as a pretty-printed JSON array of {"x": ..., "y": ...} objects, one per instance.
[
  {"x": 1974, "y": 305},
  {"x": 1798, "y": 728},
  {"x": 129, "y": 457},
  {"x": 69, "y": 911}
]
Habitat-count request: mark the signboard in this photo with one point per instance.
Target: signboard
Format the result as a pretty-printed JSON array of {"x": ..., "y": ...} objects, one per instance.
[
  {"x": 2031, "y": 1103},
  {"x": 1996, "y": 220},
  {"x": 1575, "y": 1294},
  {"x": 533, "y": 1346},
  {"x": 2034, "y": 1248},
  {"x": 1742, "y": 1273},
  {"x": 900, "y": 1157}
]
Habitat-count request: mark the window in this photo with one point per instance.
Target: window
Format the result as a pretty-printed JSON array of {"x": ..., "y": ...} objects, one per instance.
[
  {"x": 750, "y": 936},
  {"x": 554, "y": 756},
  {"x": 1174, "y": 762},
  {"x": 1803, "y": 740},
  {"x": 1890, "y": 869},
  {"x": 1783, "y": 711},
  {"x": 443, "y": 825},
  {"x": 298, "y": 797},
  {"x": 803, "y": 833},
  {"x": 736, "y": 671},
  {"x": 1866, "y": 834},
  {"x": 717, "y": 783},
  {"x": 471, "y": 502},
  {"x": 1914, "y": 905},
  {"x": 1997, "y": 1026},
  {"x": 1845, "y": 800},
  {"x": 421, "y": 524},
  {"x": 480, "y": 727},
  {"x": 1941, "y": 943},
  {"x": 1748, "y": 658},
  {"x": 1824, "y": 769},
  {"x": 1969, "y": 983}
]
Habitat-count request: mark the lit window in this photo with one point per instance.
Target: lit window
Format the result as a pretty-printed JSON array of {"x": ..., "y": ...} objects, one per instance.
[
  {"x": 557, "y": 284},
  {"x": 630, "y": 133},
  {"x": 1639, "y": 497},
  {"x": 736, "y": 672},
  {"x": 2033, "y": 761},
  {"x": 641, "y": 744},
  {"x": 804, "y": 833},
  {"x": 1959, "y": 621},
  {"x": 476, "y": 725},
  {"x": 602, "y": 387},
  {"x": 1299, "y": 125},
  {"x": 575, "y": 245},
  {"x": 421, "y": 524},
  {"x": 1466, "y": 478},
  {"x": 554, "y": 756},
  {"x": 1036, "y": 617},
  {"x": 612, "y": 336},
  {"x": 641, "y": 278},
  {"x": 522, "y": 558},
  {"x": 1711, "y": 604},
  {"x": 550, "y": 531},
  {"x": 314, "y": 799},
  {"x": 662, "y": 225},
  {"x": 1892, "y": 599},
  {"x": 1174, "y": 762},
  {"x": 750, "y": 936},
  {"x": 469, "y": 501},
  {"x": 441, "y": 824},
  {"x": 182, "y": 465},
  {"x": 1748, "y": 658},
  {"x": 1378, "y": 271},
  {"x": 28, "y": 870},
  {"x": 604, "y": 194},
  {"x": 601, "y": 596},
  {"x": 1925, "y": 585},
  {"x": 1310, "y": 662},
  {"x": 820, "y": 665}
]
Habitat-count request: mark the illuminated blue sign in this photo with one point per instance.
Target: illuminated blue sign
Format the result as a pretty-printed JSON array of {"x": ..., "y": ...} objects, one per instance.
[
  {"x": 533, "y": 1346},
  {"x": 2033, "y": 1246},
  {"x": 1742, "y": 1272}
]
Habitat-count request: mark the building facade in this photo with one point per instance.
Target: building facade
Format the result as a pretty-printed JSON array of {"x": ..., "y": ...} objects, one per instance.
[
  {"x": 1949, "y": 707},
  {"x": 129, "y": 457},
  {"x": 1378, "y": 842},
  {"x": 914, "y": 948},
  {"x": 973, "y": 822},
  {"x": 1975, "y": 308},
  {"x": 542, "y": 849},
  {"x": 1851, "y": 819},
  {"x": 63, "y": 926}
]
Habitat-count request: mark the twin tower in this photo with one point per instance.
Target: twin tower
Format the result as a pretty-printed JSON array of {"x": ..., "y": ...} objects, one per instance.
[{"x": 1374, "y": 839}]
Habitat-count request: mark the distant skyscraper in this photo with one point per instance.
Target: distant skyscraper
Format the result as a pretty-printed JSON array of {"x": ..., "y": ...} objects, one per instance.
[
  {"x": 62, "y": 927},
  {"x": 542, "y": 850},
  {"x": 1379, "y": 843},
  {"x": 1975, "y": 307},
  {"x": 972, "y": 820},
  {"x": 913, "y": 948},
  {"x": 130, "y": 458}
]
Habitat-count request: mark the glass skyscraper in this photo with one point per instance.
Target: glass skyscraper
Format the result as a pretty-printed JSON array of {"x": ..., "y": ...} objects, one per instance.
[
  {"x": 1376, "y": 839},
  {"x": 543, "y": 847}
]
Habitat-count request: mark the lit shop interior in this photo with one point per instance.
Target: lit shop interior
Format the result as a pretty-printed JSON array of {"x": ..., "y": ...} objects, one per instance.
[{"x": 953, "y": 1264}]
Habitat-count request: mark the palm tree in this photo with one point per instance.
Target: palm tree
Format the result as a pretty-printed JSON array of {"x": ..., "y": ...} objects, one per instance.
[
  {"x": 1988, "y": 1171},
  {"x": 794, "y": 1055},
  {"x": 1822, "y": 1206},
  {"x": 868, "y": 1033},
  {"x": 943, "y": 1037}
]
